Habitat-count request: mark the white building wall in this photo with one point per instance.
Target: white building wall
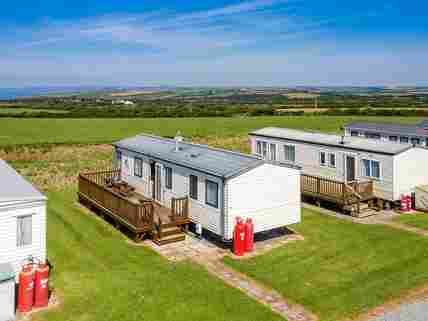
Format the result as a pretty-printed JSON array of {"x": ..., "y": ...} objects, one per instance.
[
  {"x": 307, "y": 157},
  {"x": 200, "y": 212},
  {"x": 410, "y": 171},
  {"x": 269, "y": 194},
  {"x": 9, "y": 251}
]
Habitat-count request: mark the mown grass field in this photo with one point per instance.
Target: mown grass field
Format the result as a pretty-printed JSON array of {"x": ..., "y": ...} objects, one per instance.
[
  {"x": 35, "y": 131},
  {"x": 101, "y": 277},
  {"x": 15, "y": 111},
  {"x": 342, "y": 269},
  {"x": 419, "y": 220}
]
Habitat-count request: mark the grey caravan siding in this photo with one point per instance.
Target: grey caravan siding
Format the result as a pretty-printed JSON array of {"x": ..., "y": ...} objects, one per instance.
[
  {"x": 210, "y": 217},
  {"x": 307, "y": 156}
]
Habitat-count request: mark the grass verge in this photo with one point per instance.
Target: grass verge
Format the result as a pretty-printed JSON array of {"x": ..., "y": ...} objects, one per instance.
[
  {"x": 101, "y": 277},
  {"x": 342, "y": 269}
]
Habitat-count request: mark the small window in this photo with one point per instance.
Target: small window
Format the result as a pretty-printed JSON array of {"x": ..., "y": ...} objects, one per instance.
[
  {"x": 323, "y": 161},
  {"x": 168, "y": 177},
  {"x": 404, "y": 139},
  {"x": 393, "y": 138},
  {"x": 118, "y": 159},
  {"x": 332, "y": 160},
  {"x": 354, "y": 133},
  {"x": 290, "y": 153},
  {"x": 138, "y": 167},
  {"x": 264, "y": 150},
  {"x": 24, "y": 231},
  {"x": 193, "y": 186},
  {"x": 211, "y": 193},
  {"x": 259, "y": 148},
  {"x": 415, "y": 141},
  {"x": 372, "y": 135},
  {"x": 272, "y": 152},
  {"x": 370, "y": 168}
]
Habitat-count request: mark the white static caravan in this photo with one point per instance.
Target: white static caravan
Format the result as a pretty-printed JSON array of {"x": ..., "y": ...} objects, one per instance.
[
  {"x": 220, "y": 184},
  {"x": 22, "y": 219},
  {"x": 395, "y": 169}
]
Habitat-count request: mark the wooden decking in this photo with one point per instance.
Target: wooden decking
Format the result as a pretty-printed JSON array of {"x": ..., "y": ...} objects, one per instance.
[
  {"x": 348, "y": 196},
  {"x": 104, "y": 191}
]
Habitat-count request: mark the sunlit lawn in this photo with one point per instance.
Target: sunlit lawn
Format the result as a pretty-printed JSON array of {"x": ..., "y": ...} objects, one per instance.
[
  {"x": 101, "y": 277},
  {"x": 342, "y": 269}
]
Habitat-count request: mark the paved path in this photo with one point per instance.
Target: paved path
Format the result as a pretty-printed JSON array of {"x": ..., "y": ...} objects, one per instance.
[
  {"x": 211, "y": 257},
  {"x": 257, "y": 291},
  {"x": 416, "y": 311}
]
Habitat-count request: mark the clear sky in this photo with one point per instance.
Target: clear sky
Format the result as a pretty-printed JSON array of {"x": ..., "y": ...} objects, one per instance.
[{"x": 202, "y": 43}]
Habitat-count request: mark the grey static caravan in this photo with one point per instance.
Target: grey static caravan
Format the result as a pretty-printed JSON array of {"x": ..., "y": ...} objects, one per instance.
[
  {"x": 393, "y": 168},
  {"x": 220, "y": 184}
]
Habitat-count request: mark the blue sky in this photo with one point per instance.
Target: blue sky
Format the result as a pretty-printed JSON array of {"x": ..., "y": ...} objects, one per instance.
[{"x": 203, "y": 43}]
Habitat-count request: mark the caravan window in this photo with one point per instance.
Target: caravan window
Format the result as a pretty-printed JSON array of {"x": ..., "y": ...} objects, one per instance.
[
  {"x": 332, "y": 160},
  {"x": 264, "y": 150},
  {"x": 118, "y": 159},
  {"x": 370, "y": 168},
  {"x": 211, "y": 193},
  {"x": 193, "y": 186},
  {"x": 323, "y": 161},
  {"x": 354, "y": 133},
  {"x": 415, "y": 141},
  {"x": 259, "y": 147},
  {"x": 393, "y": 138},
  {"x": 272, "y": 152},
  {"x": 372, "y": 135},
  {"x": 404, "y": 139},
  {"x": 24, "y": 231},
  {"x": 290, "y": 153},
  {"x": 168, "y": 177},
  {"x": 138, "y": 167}
]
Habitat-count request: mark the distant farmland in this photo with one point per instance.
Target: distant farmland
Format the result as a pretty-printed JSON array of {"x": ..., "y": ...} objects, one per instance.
[{"x": 35, "y": 131}]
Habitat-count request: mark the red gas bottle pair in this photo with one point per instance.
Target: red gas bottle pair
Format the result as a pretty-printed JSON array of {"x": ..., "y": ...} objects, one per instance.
[
  {"x": 243, "y": 236},
  {"x": 33, "y": 287},
  {"x": 405, "y": 203}
]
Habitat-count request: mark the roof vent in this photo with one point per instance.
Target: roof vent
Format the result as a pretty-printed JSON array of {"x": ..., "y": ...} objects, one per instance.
[{"x": 178, "y": 138}]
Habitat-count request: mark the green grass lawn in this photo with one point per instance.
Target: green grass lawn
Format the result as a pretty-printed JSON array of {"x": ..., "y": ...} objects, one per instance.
[
  {"x": 419, "y": 220},
  {"x": 342, "y": 269},
  {"x": 90, "y": 131},
  {"x": 16, "y": 111},
  {"x": 101, "y": 277}
]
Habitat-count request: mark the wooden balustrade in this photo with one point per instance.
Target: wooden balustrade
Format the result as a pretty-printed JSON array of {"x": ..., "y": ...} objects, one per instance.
[
  {"x": 336, "y": 191},
  {"x": 180, "y": 209},
  {"x": 94, "y": 188}
]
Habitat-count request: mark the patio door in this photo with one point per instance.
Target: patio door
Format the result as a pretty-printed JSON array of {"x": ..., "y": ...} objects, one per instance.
[
  {"x": 158, "y": 183},
  {"x": 350, "y": 170}
]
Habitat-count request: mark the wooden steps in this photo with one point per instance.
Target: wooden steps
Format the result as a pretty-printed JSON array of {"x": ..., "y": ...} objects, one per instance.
[{"x": 169, "y": 234}]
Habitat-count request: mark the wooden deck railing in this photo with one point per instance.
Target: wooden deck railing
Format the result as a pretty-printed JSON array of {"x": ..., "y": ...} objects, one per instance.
[
  {"x": 93, "y": 187},
  {"x": 336, "y": 191},
  {"x": 180, "y": 209}
]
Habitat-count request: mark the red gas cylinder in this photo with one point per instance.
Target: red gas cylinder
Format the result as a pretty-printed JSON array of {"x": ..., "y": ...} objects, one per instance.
[
  {"x": 26, "y": 289},
  {"x": 403, "y": 204},
  {"x": 409, "y": 202},
  {"x": 238, "y": 237},
  {"x": 249, "y": 235},
  {"x": 41, "y": 286}
]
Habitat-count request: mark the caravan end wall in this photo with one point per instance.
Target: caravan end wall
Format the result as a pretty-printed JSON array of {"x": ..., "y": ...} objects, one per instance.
[
  {"x": 10, "y": 250},
  {"x": 269, "y": 194}
]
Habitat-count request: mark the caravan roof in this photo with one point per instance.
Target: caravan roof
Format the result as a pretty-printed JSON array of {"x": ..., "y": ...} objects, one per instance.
[
  {"x": 218, "y": 162},
  {"x": 14, "y": 187},
  {"x": 347, "y": 142}
]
